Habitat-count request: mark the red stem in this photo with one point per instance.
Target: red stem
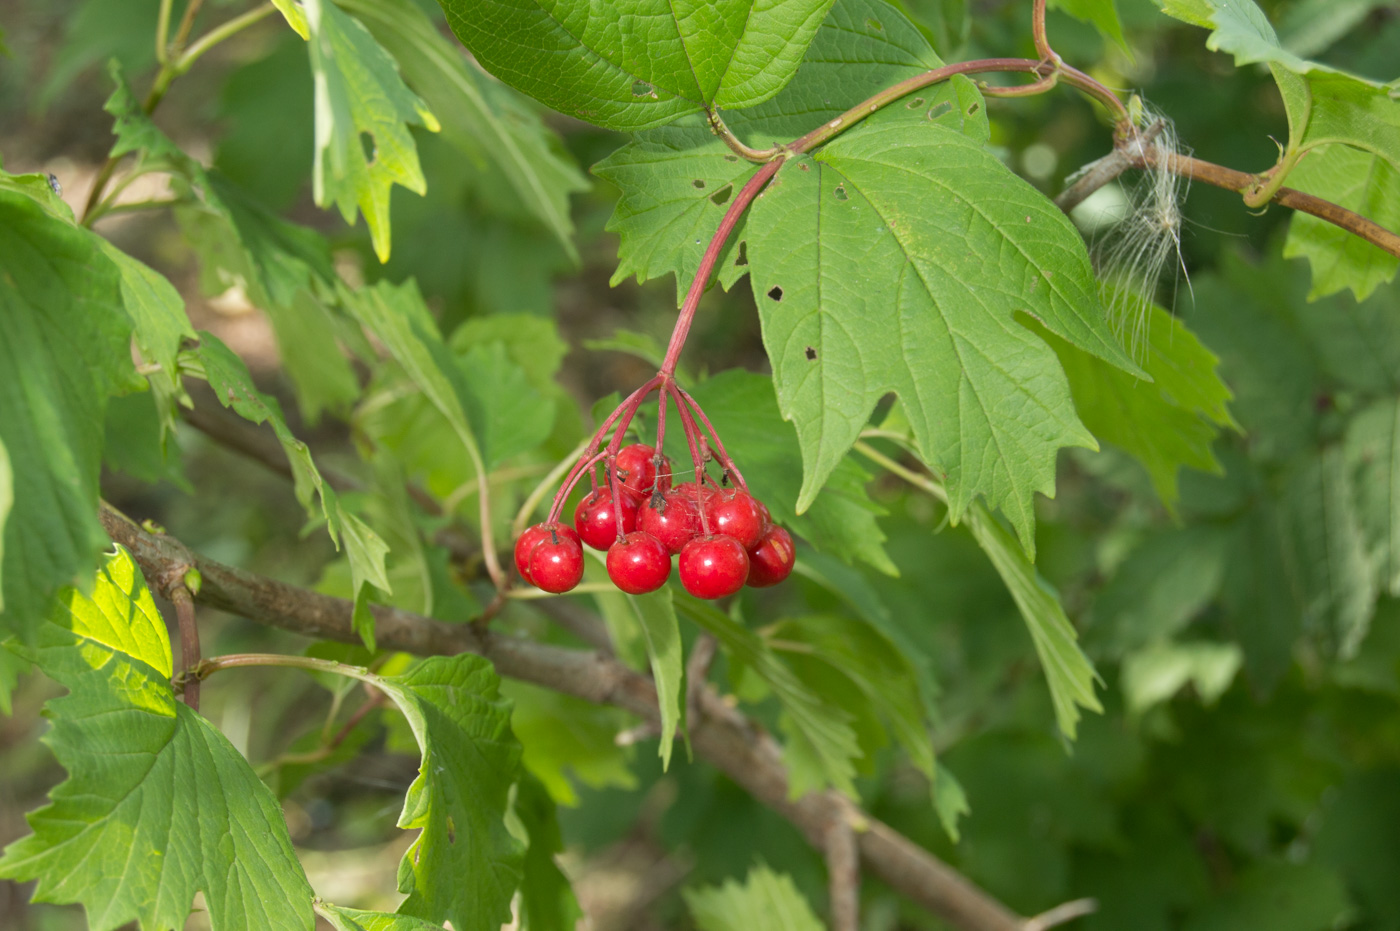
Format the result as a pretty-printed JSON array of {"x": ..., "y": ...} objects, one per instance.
[
  {"x": 588, "y": 459},
  {"x": 707, "y": 263},
  {"x": 724, "y": 459}
]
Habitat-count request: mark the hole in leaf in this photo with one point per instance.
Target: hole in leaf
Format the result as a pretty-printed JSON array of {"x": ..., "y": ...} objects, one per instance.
[
  {"x": 698, "y": 184},
  {"x": 722, "y": 195},
  {"x": 943, "y": 108},
  {"x": 804, "y": 167},
  {"x": 367, "y": 144},
  {"x": 913, "y": 103},
  {"x": 973, "y": 109},
  {"x": 840, "y": 193},
  {"x": 873, "y": 23},
  {"x": 776, "y": 293},
  {"x": 811, "y": 354},
  {"x": 743, "y": 257},
  {"x": 642, "y": 89},
  {"x": 731, "y": 158}
]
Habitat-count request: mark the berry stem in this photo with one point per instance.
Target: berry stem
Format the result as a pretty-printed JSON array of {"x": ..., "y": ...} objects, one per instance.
[
  {"x": 589, "y": 459},
  {"x": 741, "y": 202},
  {"x": 692, "y": 437},
  {"x": 724, "y": 459}
]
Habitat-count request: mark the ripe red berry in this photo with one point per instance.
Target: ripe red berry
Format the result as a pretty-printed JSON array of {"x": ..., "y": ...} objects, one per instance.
[
  {"x": 596, "y": 521},
  {"x": 672, "y": 518},
  {"x": 639, "y": 563},
  {"x": 556, "y": 564},
  {"x": 736, "y": 514},
  {"x": 697, "y": 493},
  {"x": 532, "y": 537},
  {"x": 637, "y": 471},
  {"x": 772, "y": 559},
  {"x": 713, "y": 566}
]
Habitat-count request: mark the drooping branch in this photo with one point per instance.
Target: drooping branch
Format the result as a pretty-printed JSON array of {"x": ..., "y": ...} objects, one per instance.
[{"x": 721, "y": 735}]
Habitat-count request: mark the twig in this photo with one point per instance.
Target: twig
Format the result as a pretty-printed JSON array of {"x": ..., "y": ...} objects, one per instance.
[
  {"x": 721, "y": 735},
  {"x": 189, "y": 641},
  {"x": 843, "y": 876},
  {"x": 1062, "y": 914},
  {"x": 697, "y": 671}
]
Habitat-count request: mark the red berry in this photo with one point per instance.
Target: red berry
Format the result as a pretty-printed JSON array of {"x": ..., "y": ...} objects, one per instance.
[
  {"x": 556, "y": 564},
  {"x": 639, "y": 563},
  {"x": 697, "y": 492},
  {"x": 772, "y": 559},
  {"x": 637, "y": 471},
  {"x": 713, "y": 566},
  {"x": 533, "y": 536},
  {"x": 763, "y": 509},
  {"x": 596, "y": 521},
  {"x": 736, "y": 514},
  {"x": 672, "y": 518}
]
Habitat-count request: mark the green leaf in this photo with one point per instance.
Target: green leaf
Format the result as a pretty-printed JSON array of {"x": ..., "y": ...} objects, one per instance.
[
  {"x": 1358, "y": 181},
  {"x": 862, "y": 291},
  {"x": 1156, "y": 672},
  {"x": 1101, "y": 14},
  {"x": 478, "y": 116},
  {"x": 820, "y": 743},
  {"x": 531, "y": 342},
  {"x": 547, "y": 901},
  {"x": 1164, "y": 583},
  {"x": 233, "y": 386},
  {"x": 363, "y": 145},
  {"x": 354, "y": 919},
  {"x": 949, "y": 801},
  {"x": 675, "y": 183},
  {"x": 767, "y": 899},
  {"x": 158, "y": 804},
  {"x": 1280, "y": 896},
  {"x": 294, "y": 15},
  {"x": 7, "y": 501},
  {"x": 1067, "y": 670},
  {"x": 640, "y": 63},
  {"x": 1323, "y": 537},
  {"x": 464, "y": 866},
  {"x": 510, "y": 416},
  {"x": 1166, "y": 424},
  {"x": 873, "y": 664},
  {"x": 64, "y": 347},
  {"x": 563, "y": 736},
  {"x": 656, "y": 615},
  {"x": 842, "y": 519},
  {"x": 1373, "y": 455},
  {"x": 1260, "y": 592}
]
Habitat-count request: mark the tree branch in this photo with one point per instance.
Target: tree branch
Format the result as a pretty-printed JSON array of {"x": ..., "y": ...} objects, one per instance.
[
  {"x": 843, "y": 876},
  {"x": 720, "y": 734}
]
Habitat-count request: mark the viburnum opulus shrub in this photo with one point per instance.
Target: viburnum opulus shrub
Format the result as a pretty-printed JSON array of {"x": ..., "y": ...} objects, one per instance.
[{"x": 1097, "y": 496}]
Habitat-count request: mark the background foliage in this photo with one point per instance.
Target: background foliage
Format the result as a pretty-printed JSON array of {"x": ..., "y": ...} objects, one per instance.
[{"x": 1241, "y": 611}]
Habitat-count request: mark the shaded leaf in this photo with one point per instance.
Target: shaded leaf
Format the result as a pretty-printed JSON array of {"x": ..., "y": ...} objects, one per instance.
[
  {"x": 547, "y": 901},
  {"x": 1373, "y": 453},
  {"x": 477, "y": 116},
  {"x": 567, "y": 739},
  {"x": 1277, "y": 895},
  {"x": 1160, "y": 587},
  {"x": 766, "y": 899},
  {"x": 820, "y": 745}
]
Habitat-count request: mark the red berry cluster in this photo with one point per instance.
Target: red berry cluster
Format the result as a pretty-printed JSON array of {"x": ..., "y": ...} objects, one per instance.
[{"x": 724, "y": 537}]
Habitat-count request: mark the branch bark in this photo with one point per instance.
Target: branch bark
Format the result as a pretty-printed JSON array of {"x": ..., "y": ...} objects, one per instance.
[{"x": 721, "y": 735}]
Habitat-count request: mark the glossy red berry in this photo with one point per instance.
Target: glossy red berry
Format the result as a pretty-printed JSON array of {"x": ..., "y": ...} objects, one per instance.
[
  {"x": 596, "y": 521},
  {"x": 772, "y": 559},
  {"x": 672, "y": 518},
  {"x": 697, "y": 493},
  {"x": 556, "y": 564},
  {"x": 713, "y": 566},
  {"x": 637, "y": 471},
  {"x": 736, "y": 514},
  {"x": 532, "y": 537},
  {"x": 639, "y": 563}
]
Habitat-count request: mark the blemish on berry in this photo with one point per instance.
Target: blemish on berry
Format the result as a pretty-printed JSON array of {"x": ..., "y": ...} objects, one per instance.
[
  {"x": 722, "y": 195},
  {"x": 811, "y": 354},
  {"x": 776, "y": 293}
]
